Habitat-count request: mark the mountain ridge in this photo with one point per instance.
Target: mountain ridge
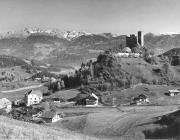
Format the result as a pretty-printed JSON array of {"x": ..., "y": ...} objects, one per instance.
[{"x": 73, "y": 48}]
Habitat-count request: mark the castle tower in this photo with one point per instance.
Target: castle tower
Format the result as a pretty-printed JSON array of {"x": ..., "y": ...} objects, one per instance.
[{"x": 140, "y": 38}]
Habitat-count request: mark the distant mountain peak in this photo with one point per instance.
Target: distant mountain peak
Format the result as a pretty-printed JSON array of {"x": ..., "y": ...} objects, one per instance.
[{"x": 67, "y": 34}]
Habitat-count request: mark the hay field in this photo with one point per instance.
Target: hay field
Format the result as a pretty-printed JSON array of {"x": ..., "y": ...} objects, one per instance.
[
  {"x": 120, "y": 123},
  {"x": 17, "y": 130}
]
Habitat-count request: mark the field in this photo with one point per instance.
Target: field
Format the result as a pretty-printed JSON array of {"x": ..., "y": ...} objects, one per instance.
[
  {"x": 14, "y": 78},
  {"x": 17, "y": 130},
  {"x": 17, "y": 94},
  {"x": 65, "y": 94},
  {"x": 157, "y": 94},
  {"x": 115, "y": 122},
  {"x": 124, "y": 121}
]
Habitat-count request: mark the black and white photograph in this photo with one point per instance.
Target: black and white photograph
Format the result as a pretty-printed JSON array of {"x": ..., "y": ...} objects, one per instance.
[{"x": 89, "y": 69}]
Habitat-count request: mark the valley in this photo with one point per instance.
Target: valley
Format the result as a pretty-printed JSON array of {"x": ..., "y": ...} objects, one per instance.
[{"x": 89, "y": 85}]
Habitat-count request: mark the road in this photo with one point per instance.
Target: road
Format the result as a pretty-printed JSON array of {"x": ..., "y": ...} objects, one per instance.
[{"x": 23, "y": 88}]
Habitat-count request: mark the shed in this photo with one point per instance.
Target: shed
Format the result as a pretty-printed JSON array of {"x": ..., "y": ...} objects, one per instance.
[{"x": 174, "y": 92}]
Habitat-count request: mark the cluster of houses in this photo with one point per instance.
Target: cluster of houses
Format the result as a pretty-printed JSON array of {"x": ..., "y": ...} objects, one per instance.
[
  {"x": 143, "y": 99},
  {"x": 33, "y": 100}
]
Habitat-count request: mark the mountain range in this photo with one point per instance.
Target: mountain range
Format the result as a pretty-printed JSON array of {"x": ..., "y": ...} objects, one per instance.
[{"x": 70, "y": 47}]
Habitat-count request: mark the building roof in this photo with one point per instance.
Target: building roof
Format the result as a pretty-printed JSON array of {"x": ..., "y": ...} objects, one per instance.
[
  {"x": 174, "y": 90},
  {"x": 127, "y": 49},
  {"x": 84, "y": 96},
  {"x": 93, "y": 95},
  {"x": 142, "y": 96},
  {"x": 36, "y": 92},
  {"x": 4, "y": 102},
  {"x": 48, "y": 114}
]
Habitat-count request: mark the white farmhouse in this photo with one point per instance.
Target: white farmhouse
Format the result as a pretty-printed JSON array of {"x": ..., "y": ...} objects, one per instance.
[
  {"x": 92, "y": 100},
  {"x": 174, "y": 92},
  {"x": 5, "y": 105},
  {"x": 33, "y": 97}
]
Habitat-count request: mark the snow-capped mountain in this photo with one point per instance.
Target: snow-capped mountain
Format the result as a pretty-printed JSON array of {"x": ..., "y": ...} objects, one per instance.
[{"x": 69, "y": 35}]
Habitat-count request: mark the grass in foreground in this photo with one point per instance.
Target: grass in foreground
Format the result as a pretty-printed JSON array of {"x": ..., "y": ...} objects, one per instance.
[{"x": 16, "y": 130}]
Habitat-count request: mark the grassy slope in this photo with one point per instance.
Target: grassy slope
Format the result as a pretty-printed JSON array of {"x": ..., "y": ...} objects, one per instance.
[
  {"x": 156, "y": 94},
  {"x": 17, "y": 130},
  {"x": 137, "y": 67},
  {"x": 115, "y": 124},
  {"x": 164, "y": 42}
]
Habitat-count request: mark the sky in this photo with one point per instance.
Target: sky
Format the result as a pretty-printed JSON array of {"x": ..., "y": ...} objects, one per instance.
[{"x": 95, "y": 16}]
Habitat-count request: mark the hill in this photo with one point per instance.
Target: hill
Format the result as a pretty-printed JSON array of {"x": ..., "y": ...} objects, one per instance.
[
  {"x": 13, "y": 129},
  {"x": 111, "y": 72},
  {"x": 161, "y": 43},
  {"x": 143, "y": 122},
  {"x": 11, "y": 61},
  {"x": 56, "y": 47},
  {"x": 173, "y": 56},
  {"x": 73, "y": 48}
]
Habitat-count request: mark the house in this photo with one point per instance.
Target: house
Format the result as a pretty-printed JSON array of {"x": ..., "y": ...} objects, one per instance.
[
  {"x": 174, "y": 92},
  {"x": 33, "y": 97},
  {"x": 57, "y": 100},
  {"x": 90, "y": 100},
  {"x": 51, "y": 116},
  {"x": 141, "y": 99},
  {"x": 5, "y": 105},
  {"x": 37, "y": 79}
]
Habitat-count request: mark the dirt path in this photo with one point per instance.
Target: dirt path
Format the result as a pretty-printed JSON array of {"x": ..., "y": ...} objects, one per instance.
[{"x": 24, "y": 88}]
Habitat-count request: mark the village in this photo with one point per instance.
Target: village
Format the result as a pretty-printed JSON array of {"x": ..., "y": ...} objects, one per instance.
[
  {"x": 125, "y": 80},
  {"x": 44, "y": 106}
]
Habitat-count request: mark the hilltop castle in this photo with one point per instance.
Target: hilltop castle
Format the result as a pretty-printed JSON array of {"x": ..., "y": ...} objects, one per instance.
[{"x": 130, "y": 41}]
